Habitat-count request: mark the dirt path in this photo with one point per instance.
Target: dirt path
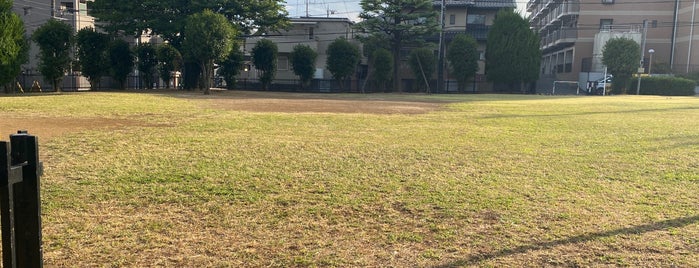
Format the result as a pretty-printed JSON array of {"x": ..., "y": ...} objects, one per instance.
[{"x": 311, "y": 103}]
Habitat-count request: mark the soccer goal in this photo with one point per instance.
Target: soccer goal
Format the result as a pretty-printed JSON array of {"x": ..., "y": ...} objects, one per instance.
[{"x": 565, "y": 85}]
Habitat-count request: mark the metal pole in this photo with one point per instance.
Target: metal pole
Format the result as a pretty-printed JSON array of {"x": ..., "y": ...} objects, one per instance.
[
  {"x": 440, "y": 53},
  {"x": 604, "y": 87},
  {"x": 643, "y": 54},
  {"x": 674, "y": 35},
  {"x": 691, "y": 34},
  {"x": 650, "y": 61}
]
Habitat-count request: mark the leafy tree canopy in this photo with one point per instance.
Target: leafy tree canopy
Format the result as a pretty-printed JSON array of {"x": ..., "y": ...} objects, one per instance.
[
  {"x": 13, "y": 45},
  {"x": 230, "y": 66},
  {"x": 463, "y": 58},
  {"x": 121, "y": 61},
  {"x": 264, "y": 57},
  {"x": 208, "y": 38},
  {"x": 92, "y": 52},
  {"x": 343, "y": 58},
  {"x": 401, "y": 22},
  {"x": 303, "y": 61},
  {"x": 169, "y": 60},
  {"x": 382, "y": 66},
  {"x": 147, "y": 61},
  {"x": 622, "y": 57},
  {"x": 512, "y": 52},
  {"x": 423, "y": 64},
  {"x": 55, "y": 40},
  {"x": 167, "y": 17}
]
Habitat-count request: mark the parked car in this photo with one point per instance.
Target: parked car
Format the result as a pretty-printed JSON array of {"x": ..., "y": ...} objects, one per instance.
[{"x": 601, "y": 84}]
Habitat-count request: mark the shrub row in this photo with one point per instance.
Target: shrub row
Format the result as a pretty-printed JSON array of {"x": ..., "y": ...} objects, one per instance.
[{"x": 666, "y": 86}]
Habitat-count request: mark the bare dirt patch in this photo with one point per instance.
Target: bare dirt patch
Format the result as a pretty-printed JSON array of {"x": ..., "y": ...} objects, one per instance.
[
  {"x": 47, "y": 127},
  {"x": 312, "y": 103}
]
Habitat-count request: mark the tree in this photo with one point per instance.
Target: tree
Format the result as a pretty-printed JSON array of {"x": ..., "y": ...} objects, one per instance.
[
  {"x": 121, "y": 61},
  {"x": 208, "y": 38},
  {"x": 169, "y": 61},
  {"x": 343, "y": 58},
  {"x": 147, "y": 61},
  {"x": 463, "y": 59},
  {"x": 382, "y": 66},
  {"x": 13, "y": 46},
  {"x": 92, "y": 54},
  {"x": 303, "y": 61},
  {"x": 401, "y": 22},
  {"x": 167, "y": 18},
  {"x": 229, "y": 67},
  {"x": 512, "y": 53},
  {"x": 264, "y": 57},
  {"x": 423, "y": 64},
  {"x": 621, "y": 56},
  {"x": 55, "y": 40}
]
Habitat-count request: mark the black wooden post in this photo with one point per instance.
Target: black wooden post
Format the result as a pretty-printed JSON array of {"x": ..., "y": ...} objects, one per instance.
[{"x": 20, "y": 203}]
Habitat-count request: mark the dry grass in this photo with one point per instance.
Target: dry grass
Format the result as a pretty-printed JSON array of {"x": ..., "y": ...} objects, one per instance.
[{"x": 190, "y": 181}]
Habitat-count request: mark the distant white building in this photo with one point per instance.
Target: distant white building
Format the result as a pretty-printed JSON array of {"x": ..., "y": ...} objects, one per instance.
[{"x": 35, "y": 13}]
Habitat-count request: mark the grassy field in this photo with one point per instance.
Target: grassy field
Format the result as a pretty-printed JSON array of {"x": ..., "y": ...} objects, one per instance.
[{"x": 182, "y": 180}]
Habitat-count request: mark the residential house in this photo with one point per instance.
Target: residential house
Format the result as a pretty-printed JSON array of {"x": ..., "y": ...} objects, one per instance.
[
  {"x": 574, "y": 32},
  {"x": 316, "y": 32},
  {"x": 474, "y": 18}
]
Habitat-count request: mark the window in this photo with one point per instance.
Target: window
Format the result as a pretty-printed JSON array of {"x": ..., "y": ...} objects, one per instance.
[
  {"x": 310, "y": 33},
  {"x": 283, "y": 63},
  {"x": 67, "y": 6},
  {"x": 452, "y": 19},
  {"x": 607, "y": 1},
  {"x": 568, "y": 61},
  {"x": 475, "y": 19},
  {"x": 605, "y": 24}
]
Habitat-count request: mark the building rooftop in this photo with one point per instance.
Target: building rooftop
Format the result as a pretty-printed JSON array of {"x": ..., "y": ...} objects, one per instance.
[{"x": 478, "y": 3}]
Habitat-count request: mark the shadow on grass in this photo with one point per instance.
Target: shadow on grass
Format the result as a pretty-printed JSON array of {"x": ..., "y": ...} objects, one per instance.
[
  {"x": 656, "y": 226},
  {"x": 497, "y": 116}
]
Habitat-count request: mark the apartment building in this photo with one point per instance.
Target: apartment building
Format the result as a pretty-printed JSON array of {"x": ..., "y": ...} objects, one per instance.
[
  {"x": 574, "y": 32},
  {"x": 316, "y": 32},
  {"x": 470, "y": 17},
  {"x": 35, "y": 13}
]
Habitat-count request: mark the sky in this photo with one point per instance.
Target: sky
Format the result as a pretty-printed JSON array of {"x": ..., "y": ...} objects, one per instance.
[{"x": 337, "y": 8}]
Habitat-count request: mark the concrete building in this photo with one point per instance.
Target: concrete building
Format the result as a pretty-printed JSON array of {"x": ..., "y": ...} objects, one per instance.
[
  {"x": 574, "y": 32},
  {"x": 35, "y": 13}
]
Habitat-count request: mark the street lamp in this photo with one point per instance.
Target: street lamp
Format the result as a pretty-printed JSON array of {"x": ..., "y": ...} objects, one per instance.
[{"x": 650, "y": 62}]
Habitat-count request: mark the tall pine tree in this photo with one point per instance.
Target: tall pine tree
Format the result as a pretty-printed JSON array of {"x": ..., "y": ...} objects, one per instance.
[{"x": 401, "y": 22}]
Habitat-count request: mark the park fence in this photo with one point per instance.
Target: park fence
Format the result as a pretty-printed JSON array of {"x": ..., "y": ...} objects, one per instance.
[
  {"x": 32, "y": 82},
  {"x": 20, "y": 203}
]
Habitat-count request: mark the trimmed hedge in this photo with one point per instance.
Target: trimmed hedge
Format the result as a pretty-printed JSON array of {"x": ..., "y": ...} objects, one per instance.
[{"x": 666, "y": 86}]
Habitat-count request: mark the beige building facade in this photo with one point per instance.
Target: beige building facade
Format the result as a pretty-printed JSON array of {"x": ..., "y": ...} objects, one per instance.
[
  {"x": 574, "y": 32},
  {"x": 34, "y": 13}
]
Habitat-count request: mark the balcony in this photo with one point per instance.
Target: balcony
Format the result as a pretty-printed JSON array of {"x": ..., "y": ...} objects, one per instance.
[
  {"x": 559, "y": 38},
  {"x": 551, "y": 11},
  {"x": 559, "y": 14},
  {"x": 532, "y": 5}
]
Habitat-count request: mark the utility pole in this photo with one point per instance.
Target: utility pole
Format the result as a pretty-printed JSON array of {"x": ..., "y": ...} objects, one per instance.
[
  {"x": 643, "y": 54},
  {"x": 440, "y": 52}
]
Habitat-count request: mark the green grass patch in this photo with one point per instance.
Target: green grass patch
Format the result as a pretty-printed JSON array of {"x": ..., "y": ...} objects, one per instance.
[{"x": 489, "y": 180}]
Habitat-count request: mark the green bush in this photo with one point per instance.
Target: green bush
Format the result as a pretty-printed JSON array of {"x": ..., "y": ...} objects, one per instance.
[{"x": 666, "y": 86}]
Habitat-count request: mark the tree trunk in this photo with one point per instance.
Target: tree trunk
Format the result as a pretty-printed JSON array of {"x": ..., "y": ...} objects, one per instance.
[{"x": 206, "y": 76}]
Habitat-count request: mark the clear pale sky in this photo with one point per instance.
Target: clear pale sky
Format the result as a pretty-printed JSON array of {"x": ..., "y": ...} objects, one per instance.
[{"x": 338, "y": 8}]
